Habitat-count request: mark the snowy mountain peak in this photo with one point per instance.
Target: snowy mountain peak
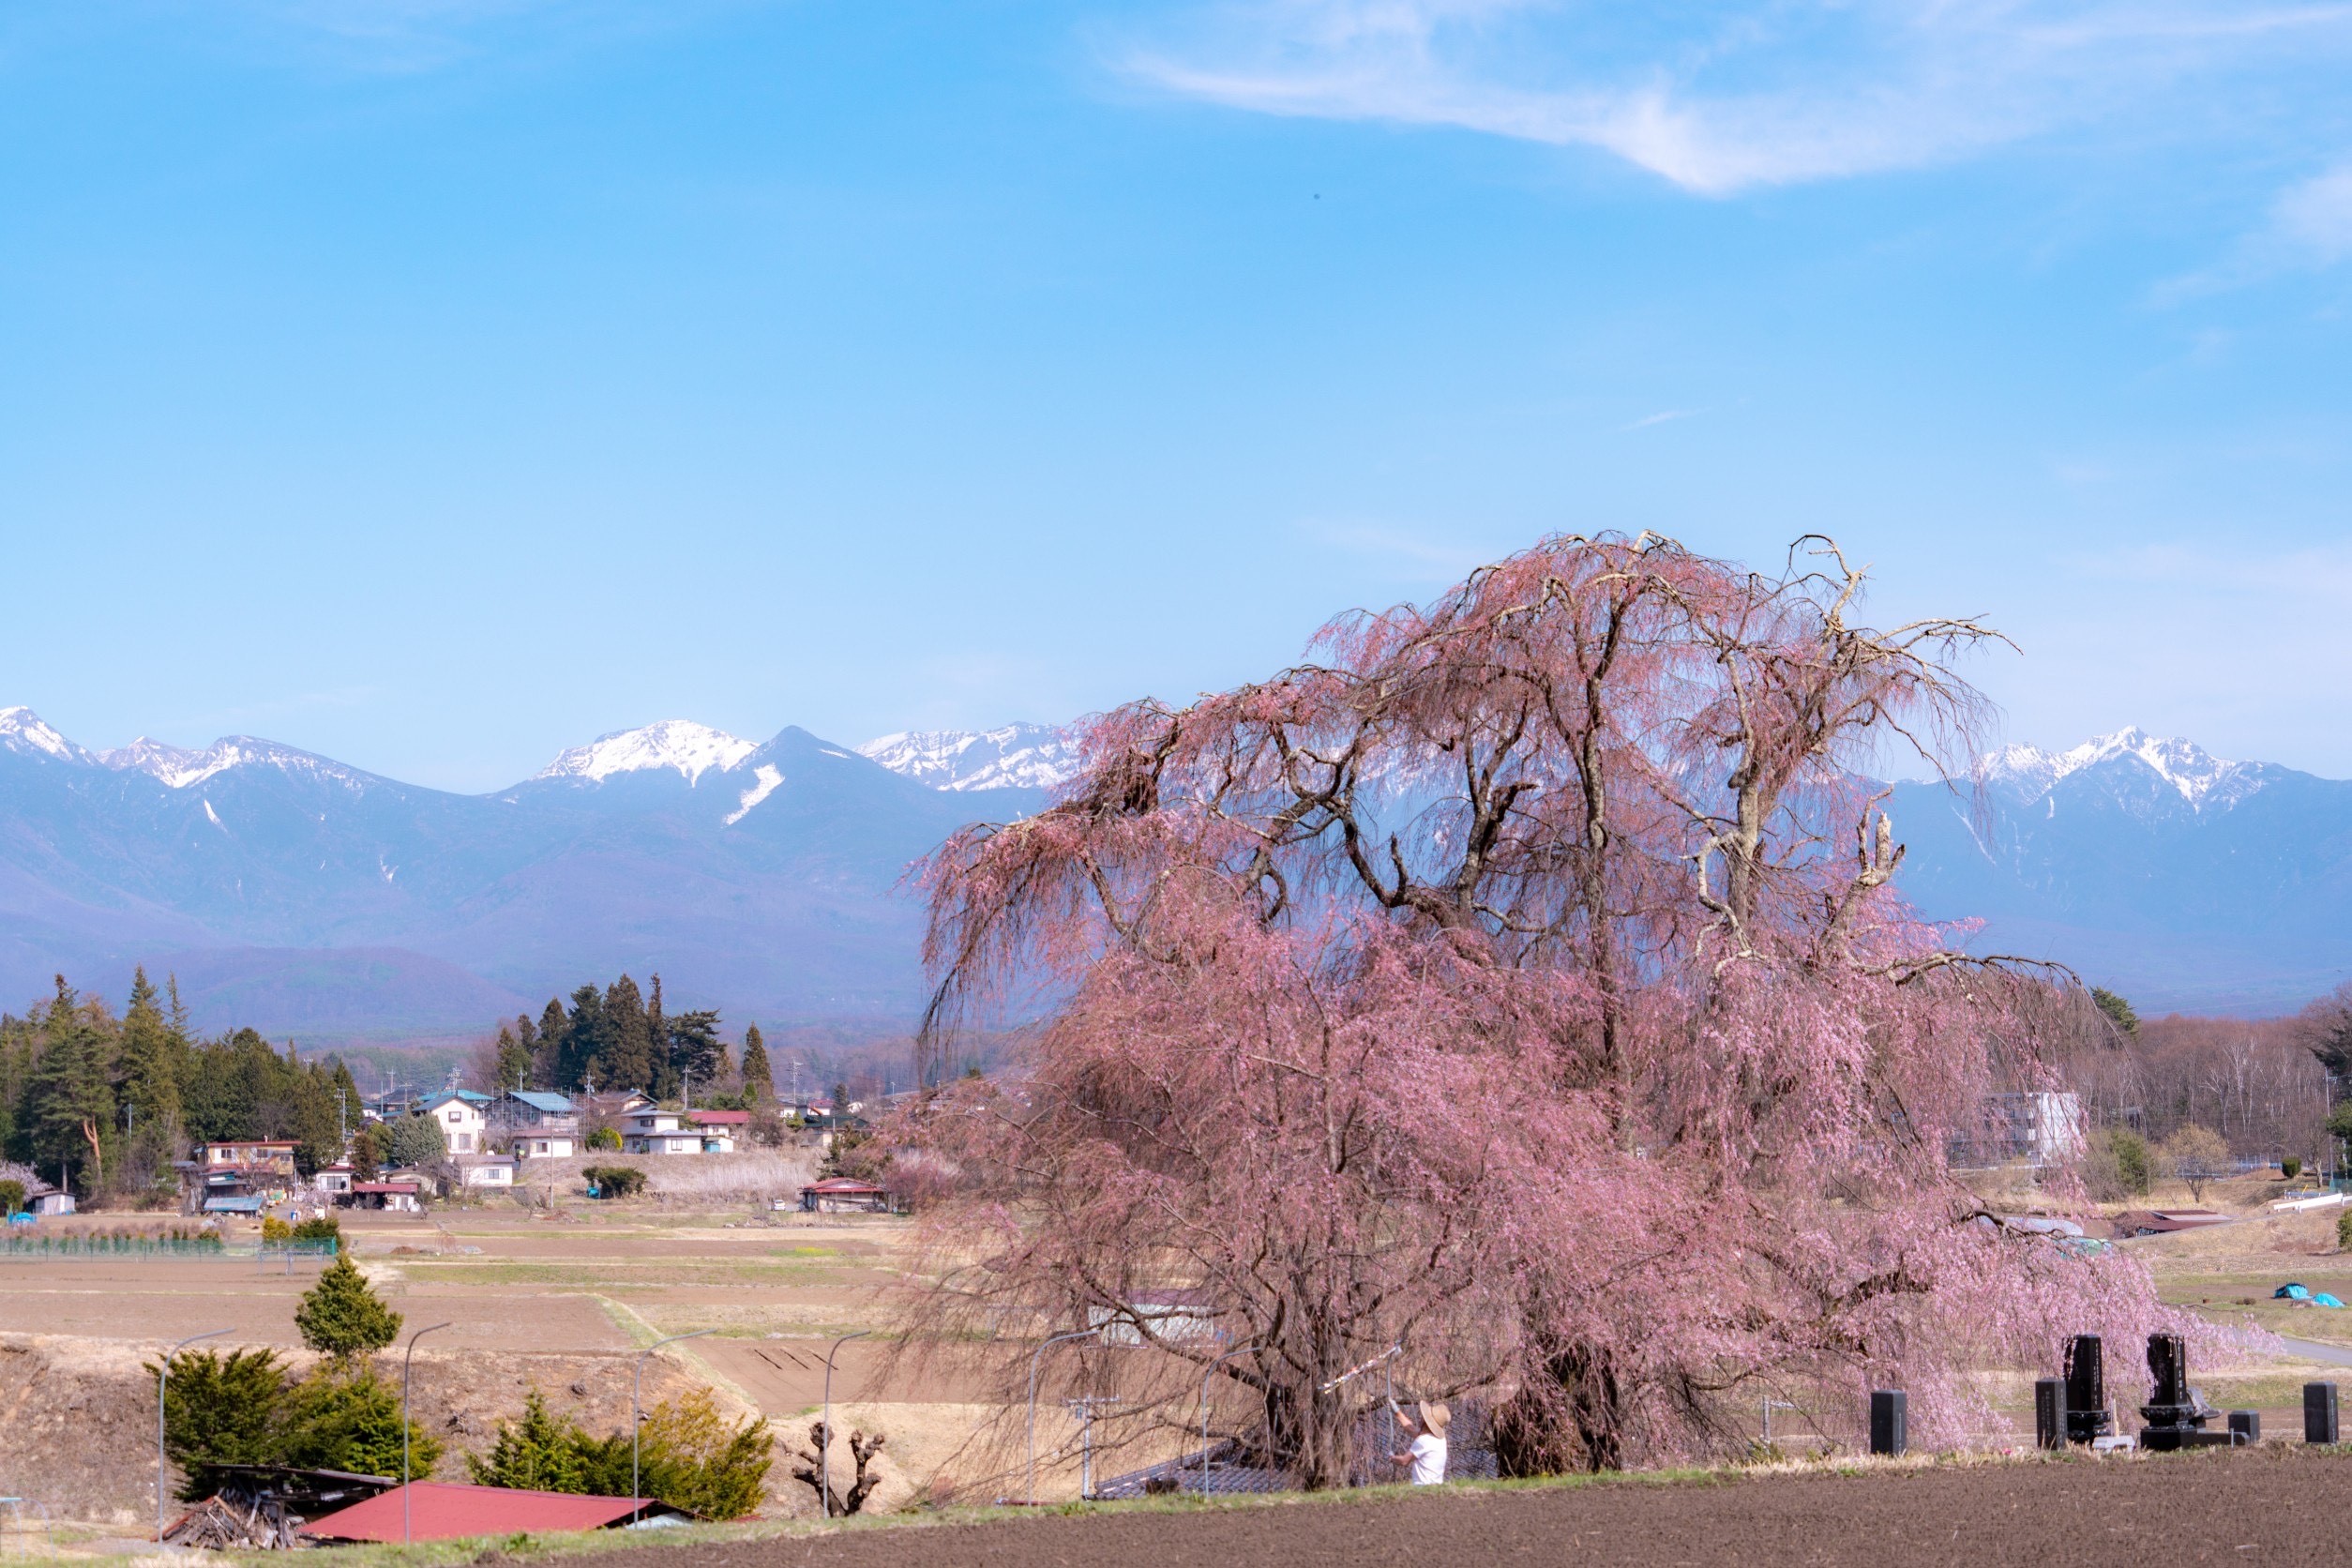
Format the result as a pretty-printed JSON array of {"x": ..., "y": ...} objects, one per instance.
[
  {"x": 21, "y": 730},
  {"x": 1012, "y": 756},
  {"x": 2200, "y": 777},
  {"x": 177, "y": 766},
  {"x": 693, "y": 749}
]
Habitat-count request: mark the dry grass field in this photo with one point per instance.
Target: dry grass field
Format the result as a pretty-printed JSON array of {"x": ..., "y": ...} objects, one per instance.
[
  {"x": 550, "y": 1291},
  {"x": 560, "y": 1299}
]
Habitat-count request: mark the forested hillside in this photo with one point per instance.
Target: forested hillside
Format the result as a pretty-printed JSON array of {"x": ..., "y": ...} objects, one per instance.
[{"x": 108, "y": 1102}]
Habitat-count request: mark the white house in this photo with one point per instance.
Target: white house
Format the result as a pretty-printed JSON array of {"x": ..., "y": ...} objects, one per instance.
[
  {"x": 334, "y": 1179},
  {"x": 721, "y": 1129},
  {"x": 530, "y": 1124},
  {"x": 465, "y": 1124},
  {"x": 404, "y": 1195},
  {"x": 486, "y": 1170},
  {"x": 650, "y": 1130}
]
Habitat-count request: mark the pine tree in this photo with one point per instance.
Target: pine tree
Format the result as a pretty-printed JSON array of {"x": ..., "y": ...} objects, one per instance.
[
  {"x": 344, "y": 1417},
  {"x": 759, "y": 1080},
  {"x": 549, "y": 1067},
  {"x": 527, "y": 1036},
  {"x": 341, "y": 1316},
  {"x": 70, "y": 1105},
  {"x": 514, "y": 1058},
  {"x": 541, "y": 1452},
  {"x": 150, "y": 1068},
  {"x": 696, "y": 1048},
  {"x": 221, "y": 1411},
  {"x": 412, "y": 1142}
]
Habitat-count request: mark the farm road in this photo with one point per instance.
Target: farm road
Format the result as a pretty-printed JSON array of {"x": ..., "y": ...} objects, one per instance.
[{"x": 2282, "y": 1505}]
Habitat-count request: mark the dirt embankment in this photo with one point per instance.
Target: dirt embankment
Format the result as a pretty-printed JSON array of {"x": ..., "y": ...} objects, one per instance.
[
  {"x": 77, "y": 1415},
  {"x": 2281, "y": 1505}
]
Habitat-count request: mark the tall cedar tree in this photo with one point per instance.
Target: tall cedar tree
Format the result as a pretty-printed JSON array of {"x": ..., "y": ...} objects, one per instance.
[
  {"x": 759, "y": 1080},
  {"x": 628, "y": 1061},
  {"x": 514, "y": 1058},
  {"x": 341, "y": 1316},
  {"x": 586, "y": 1038},
  {"x": 547, "y": 1067},
  {"x": 519, "y": 1064},
  {"x": 150, "y": 1067},
  {"x": 664, "y": 1079}
]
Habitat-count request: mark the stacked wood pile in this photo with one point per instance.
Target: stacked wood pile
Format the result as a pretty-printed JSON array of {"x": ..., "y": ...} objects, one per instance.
[{"x": 220, "y": 1525}]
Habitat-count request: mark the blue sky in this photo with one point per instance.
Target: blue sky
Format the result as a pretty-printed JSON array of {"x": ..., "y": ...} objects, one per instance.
[{"x": 436, "y": 384}]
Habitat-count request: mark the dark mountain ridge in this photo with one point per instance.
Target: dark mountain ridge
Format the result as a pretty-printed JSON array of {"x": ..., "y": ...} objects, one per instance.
[{"x": 334, "y": 903}]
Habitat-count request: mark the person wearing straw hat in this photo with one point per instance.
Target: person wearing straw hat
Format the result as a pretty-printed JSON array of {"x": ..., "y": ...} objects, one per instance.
[{"x": 1429, "y": 1421}]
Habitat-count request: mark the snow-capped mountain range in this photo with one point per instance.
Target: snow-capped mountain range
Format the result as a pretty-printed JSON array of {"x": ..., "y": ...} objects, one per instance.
[
  {"x": 1014, "y": 756},
  {"x": 2202, "y": 779},
  {"x": 305, "y": 896},
  {"x": 299, "y": 895},
  {"x": 2152, "y": 866}
]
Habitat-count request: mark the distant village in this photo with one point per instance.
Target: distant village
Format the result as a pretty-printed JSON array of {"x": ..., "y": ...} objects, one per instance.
[{"x": 488, "y": 1140}]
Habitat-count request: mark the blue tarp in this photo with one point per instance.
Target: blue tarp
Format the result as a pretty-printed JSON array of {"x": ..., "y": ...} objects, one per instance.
[{"x": 2304, "y": 1294}]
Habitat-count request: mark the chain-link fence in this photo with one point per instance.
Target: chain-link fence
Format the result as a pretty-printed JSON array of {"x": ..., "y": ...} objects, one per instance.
[
  {"x": 1233, "y": 1467},
  {"x": 203, "y": 1248}
]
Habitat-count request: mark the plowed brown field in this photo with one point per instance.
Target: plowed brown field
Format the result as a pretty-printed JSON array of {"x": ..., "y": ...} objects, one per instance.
[{"x": 2278, "y": 1505}]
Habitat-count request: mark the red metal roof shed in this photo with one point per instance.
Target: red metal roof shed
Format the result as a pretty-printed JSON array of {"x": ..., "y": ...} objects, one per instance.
[{"x": 441, "y": 1511}]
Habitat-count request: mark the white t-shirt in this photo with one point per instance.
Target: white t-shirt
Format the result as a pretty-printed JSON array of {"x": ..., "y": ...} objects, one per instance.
[{"x": 1429, "y": 1457}]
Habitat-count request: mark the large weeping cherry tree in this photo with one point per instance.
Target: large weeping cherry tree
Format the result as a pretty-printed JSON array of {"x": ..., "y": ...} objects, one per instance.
[{"x": 1522, "y": 982}]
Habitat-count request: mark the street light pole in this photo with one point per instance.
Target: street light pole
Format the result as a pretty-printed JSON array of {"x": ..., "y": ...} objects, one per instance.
[
  {"x": 825, "y": 1452},
  {"x": 637, "y": 1382},
  {"x": 406, "y": 1361},
  {"x": 1033, "y": 1357},
  {"x": 162, "y": 1385}
]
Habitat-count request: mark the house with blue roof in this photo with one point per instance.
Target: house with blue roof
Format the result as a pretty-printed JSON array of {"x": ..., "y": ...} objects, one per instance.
[{"x": 534, "y": 1124}]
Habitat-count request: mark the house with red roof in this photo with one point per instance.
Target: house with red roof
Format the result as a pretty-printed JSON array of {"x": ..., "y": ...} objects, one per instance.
[{"x": 444, "y": 1510}]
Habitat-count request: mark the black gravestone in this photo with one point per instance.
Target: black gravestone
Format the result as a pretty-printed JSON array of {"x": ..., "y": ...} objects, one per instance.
[
  {"x": 2319, "y": 1412},
  {"x": 1890, "y": 1421},
  {"x": 2087, "y": 1414}
]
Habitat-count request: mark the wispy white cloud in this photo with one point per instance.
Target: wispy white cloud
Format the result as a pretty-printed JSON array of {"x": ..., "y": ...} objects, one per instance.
[
  {"x": 1662, "y": 417},
  {"x": 2315, "y": 217},
  {"x": 2309, "y": 226},
  {"x": 1724, "y": 94}
]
